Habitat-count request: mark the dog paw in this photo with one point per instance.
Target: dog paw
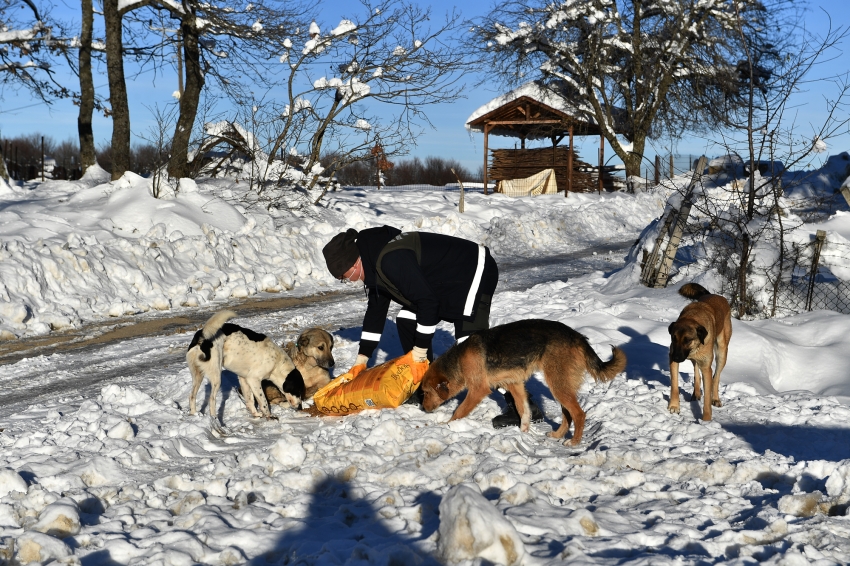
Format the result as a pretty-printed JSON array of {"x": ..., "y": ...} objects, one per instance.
[
  {"x": 572, "y": 442},
  {"x": 717, "y": 403},
  {"x": 673, "y": 408}
]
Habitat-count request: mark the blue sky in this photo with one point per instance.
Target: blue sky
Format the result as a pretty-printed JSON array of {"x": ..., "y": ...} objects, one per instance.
[{"x": 22, "y": 115}]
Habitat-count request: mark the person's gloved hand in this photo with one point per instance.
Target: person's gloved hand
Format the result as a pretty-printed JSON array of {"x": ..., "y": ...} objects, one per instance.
[{"x": 419, "y": 354}]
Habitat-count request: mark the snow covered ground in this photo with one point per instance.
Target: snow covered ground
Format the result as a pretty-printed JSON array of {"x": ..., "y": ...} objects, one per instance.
[{"x": 117, "y": 472}]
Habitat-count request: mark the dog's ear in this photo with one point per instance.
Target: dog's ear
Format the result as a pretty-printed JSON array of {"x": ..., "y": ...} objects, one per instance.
[
  {"x": 442, "y": 390},
  {"x": 303, "y": 341},
  {"x": 670, "y": 328},
  {"x": 702, "y": 333}
]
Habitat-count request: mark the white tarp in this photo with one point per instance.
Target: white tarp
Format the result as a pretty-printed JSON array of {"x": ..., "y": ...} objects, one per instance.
[{"x": 542, "y": 183}]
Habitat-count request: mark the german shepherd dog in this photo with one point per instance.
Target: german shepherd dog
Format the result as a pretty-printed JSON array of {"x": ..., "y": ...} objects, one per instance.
[
  {"x": 506, "y": 356},
  {"x": 252, "y": 356},
  {"x": 701, "y": 334},
  {"x": 313, "y": 357}
]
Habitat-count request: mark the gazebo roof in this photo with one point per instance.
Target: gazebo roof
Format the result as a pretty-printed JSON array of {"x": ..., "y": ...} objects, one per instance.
[{"x": 533, "y": 111}]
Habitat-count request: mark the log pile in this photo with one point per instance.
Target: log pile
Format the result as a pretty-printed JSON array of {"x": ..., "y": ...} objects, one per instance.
[{"x": 508, "y": 164}]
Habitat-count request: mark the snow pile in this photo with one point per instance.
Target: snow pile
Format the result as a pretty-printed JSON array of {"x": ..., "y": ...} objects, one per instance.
[
  {"x": 471, "y": 527},
  {"x": 78, "y": 251}
]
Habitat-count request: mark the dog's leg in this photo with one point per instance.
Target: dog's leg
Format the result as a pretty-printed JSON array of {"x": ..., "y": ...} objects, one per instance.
[
  {"x": 571, "y": 411},
  {"x": 564, "y": 374},
  {"x": 697, "y": 382},
  {"x": 719, "y": 364},
  {"x": 197, "y": 379},
  {"x": 259, "y": 397},
  {"x": 214, "y": 375},
  {"x": 566, "y": 421},
  {"x": 473, "y": 397},
  {"x": 477, "y": 385},
  {"x": 248, "y": 396},
  {"x": 705, "y": 369},
  {"x": 673, "y": 405},
  {"x": 521, "y": 401}
]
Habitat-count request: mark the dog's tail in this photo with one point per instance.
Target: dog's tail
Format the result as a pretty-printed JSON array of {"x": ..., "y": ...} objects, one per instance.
[
  {"x": 205, "y": 337},
  {"x": 604, "y": 371},
  {"x": 693, "y": 291},
  {"x": 215, "y": 323}
]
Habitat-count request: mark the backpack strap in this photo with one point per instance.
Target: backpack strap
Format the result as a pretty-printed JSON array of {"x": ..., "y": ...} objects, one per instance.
[{"x": 404, "y": 241}]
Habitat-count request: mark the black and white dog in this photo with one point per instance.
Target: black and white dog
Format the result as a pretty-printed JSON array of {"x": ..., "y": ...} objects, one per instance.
[{"x": 252, "y": 356}]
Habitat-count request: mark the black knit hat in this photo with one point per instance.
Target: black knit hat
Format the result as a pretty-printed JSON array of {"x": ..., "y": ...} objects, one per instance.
[{"x": 341, "y": 252}]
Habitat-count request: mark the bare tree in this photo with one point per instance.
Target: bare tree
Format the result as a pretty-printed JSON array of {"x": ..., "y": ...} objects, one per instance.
[
  {"x": 367, "y": 81},
  {"x": 392, "y": 58},
  {"x": 749, "y": 223},
  {"x": 87, "y": 94},
  {"x": 27, "y": 45},
  {"x": 433, "y": 170},
  {"x": 26, "y": 48},
  {"x": 225, "y": 42},
  {"x": 120, "y": 146},
  {"x": 649, "y": 67},
  {"x": 151, "y": 158},
  {"x": 66, "y": 154}
]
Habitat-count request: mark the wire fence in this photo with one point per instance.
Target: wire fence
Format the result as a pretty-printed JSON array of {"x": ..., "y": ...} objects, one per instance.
[
  {"x": 802, "y": 296},
  {"x": 816, "y": 278}
]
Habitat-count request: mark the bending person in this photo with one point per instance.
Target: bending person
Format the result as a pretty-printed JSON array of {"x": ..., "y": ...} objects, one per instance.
[{"x": 434, "y": 277}]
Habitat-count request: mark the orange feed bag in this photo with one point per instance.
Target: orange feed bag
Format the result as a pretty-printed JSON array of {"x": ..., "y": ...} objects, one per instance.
[{"x": 382, "y": 387}]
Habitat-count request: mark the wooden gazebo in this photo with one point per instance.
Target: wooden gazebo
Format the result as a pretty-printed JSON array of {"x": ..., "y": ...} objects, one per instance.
[{"x": 537, "y": 111}]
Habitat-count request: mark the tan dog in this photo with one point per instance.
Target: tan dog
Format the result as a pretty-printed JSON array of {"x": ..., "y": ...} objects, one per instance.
[
  {"x": 701, "y": 334},
  {"x": 252, "y": 356},
  {"x": 312, "y": 354},
  {"x": 506, "y": 356}
]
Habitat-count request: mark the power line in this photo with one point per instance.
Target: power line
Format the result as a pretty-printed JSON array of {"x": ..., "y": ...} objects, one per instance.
[{"x": 22, "y": 107}]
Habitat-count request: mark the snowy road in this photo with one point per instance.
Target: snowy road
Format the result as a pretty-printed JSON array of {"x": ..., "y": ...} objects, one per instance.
[{"x": 78, "y": 366}]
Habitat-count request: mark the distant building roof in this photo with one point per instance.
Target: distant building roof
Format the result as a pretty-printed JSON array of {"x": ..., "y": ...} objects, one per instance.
[{"x": 536, "y": 110}]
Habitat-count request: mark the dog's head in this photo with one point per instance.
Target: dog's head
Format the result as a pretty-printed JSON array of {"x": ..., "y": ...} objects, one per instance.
[
  {"x": 686, "y": 336},
  {"x": 294, "y": 388},
  {"x": 318, "y": 345},
  {"x": 436, "y": 386}
]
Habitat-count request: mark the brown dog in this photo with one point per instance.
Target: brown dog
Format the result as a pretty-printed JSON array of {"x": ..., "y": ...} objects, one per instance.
[
  {"x": 312, "y": 354},
  {"x": 506, "y": 356},
  {"x": 701, "y": 334}
]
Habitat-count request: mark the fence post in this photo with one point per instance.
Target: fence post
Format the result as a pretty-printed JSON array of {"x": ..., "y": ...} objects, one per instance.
[
  {"x": 820, "y": 238},
  {"x": 657, "y": 169},
  {"x": 657, "y": 278},
  {"x": 459, "y": 182},
  {"x": 672, "y": 172},
  {"x": 42, "y": 158},
  {"x": 647, "y": 274}
]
